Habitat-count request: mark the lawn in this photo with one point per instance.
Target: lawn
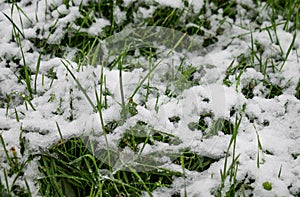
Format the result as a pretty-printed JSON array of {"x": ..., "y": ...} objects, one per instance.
[{"x": 149, "y": 98}]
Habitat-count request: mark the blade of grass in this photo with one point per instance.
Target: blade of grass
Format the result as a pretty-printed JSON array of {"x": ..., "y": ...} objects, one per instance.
[
  {"x": 79, "y": 85},
  {"x": 280, "y": 170},
  {"x": 6, "y": 180},
  {"x": 60, "y": 135},
  {"x": 140, "y": 180},
  {"x": 10, "y": 161},
  {"x": 13, "y": 23},
  {"x": 183, "y": 172},
  {"x": 289, "y": 50},
  {"x": 38, "y": 63},
  {"x": 99, "y": 108}
]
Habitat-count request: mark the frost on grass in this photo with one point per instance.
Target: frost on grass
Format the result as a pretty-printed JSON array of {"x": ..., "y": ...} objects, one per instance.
[{"x": 242, "y": 65}]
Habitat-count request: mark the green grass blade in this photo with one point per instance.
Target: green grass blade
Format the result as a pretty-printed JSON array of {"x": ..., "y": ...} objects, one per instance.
[
  {"x": 289, "y": 50},
  {"x": 80, "y": 86},
  {"x": 38, "y": 63},
  {"x": 14, "y": 25}
]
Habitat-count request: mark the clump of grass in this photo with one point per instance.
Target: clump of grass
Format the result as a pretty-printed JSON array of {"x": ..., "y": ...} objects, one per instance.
[
  {"x": 69, "y": 166},
  {"x": 222, "y": 125},
  {"x": 14, "y": 169},
  {"x": 229, "y": 172},
  {"x": 270, "y": 90},
  {"x": 229, "y": 7},
  {"x": 141, "y": 133},
  {"x": 182, "y": 78},
  {"x": 274, "y": 90},
  {"x": 248, "y": 90},
  {"x": 166, "y": 17},
  {"x": 193, "y": 161},
  {"x": 289, "y": 10},
  {"x": 201, "y": 124}
]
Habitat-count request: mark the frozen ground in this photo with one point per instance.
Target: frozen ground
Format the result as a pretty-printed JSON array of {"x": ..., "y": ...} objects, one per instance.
[{"x": 262, "y": 91}]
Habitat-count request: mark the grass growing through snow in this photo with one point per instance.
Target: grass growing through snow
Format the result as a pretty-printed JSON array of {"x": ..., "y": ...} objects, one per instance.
[
  {"x": 69, "y": 167},
  {"x": 230, "y": 171}
]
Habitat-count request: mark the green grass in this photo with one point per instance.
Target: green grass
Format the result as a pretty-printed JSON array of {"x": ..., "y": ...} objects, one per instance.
[
  {"x": 231, "y": 170},
  {"x": 69, "y": 164},
  {"x": 71, "y": 167}
]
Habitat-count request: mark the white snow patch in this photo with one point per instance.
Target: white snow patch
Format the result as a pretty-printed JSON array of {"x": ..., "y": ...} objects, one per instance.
[
  {"x": 197, "y": 5},
  {"x": 171, "y": 3}
]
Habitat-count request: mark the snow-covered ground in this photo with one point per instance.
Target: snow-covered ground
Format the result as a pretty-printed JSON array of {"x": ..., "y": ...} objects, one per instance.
[{"x": 272, "y": 121}]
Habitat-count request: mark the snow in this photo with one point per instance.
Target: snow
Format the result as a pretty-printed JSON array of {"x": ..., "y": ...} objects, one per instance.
[
  {"x": 97, "y": 27},
  {"x": 171, "y": 3},
  {"x": 197, "y": 5},
  {"x": 274, "y": 121},
  {"x": 120, "y": 16},
  {"x": 128, "y": 2},
  {"x": 146, "y": 13}
]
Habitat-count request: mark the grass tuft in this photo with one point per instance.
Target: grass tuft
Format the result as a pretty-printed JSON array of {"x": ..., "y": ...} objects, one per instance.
[{"x": 70, "y": 167}]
